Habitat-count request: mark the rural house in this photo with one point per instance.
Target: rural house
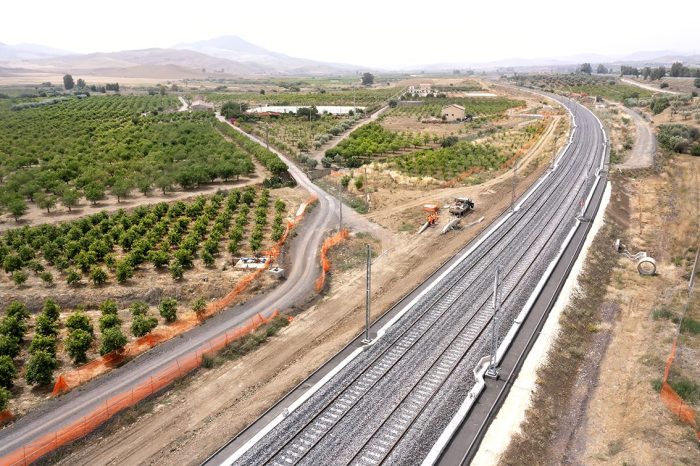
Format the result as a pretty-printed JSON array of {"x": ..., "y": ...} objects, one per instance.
[{"x": 453, "y": 112}]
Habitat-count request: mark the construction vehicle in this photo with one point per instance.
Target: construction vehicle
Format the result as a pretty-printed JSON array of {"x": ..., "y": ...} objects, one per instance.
[{"x": 461, "y": 206}]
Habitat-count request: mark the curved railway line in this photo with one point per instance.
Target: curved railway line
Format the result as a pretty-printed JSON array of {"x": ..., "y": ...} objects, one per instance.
[{"x": 391, "y": 401}]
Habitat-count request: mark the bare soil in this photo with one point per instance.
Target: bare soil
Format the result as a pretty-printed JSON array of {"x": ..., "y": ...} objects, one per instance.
[
  {"x": 597, "y": 402},
  {"x": 626, "y": 421}
]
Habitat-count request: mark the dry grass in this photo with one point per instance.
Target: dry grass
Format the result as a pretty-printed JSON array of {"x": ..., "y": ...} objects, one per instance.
[{"x": 557, "y": 378}]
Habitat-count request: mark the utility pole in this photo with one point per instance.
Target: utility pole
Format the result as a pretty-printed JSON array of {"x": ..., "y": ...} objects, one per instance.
[
  {"x": 340, "y": 205},
  {"x": 512, "y": 192},
  {"x": 366, "y": 188},
  {"x": 582, "y": 215},
  {"x": 368, "y": 296},
  {"x": 267, "y": 135},
  {"x": 492, "y": 371},
  {"x": 354, "y": 106}
]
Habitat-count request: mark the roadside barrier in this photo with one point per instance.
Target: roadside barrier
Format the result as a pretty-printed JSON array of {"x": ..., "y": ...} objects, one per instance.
[
  {"x": 128, "y": 398},
  {"x": 673, "y": 401},
  {"x": 5, "y": 417},
  {"x": 668, "y": 395},
  {"x": 74, "y": 378},
  {"x": 325, "y": 262}
]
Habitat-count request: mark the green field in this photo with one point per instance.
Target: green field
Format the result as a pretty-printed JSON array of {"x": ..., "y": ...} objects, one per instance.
[
  {"x": 474, "y": 106},
  {"x": 606, "y": 87},
  {"x": 370, "y": 98},
  {"x": 294, "y": 135},
  {"x": 372, "y": 140},
  {"x": 462, "y": 159},
  {"x": 107, "y": 248},
  {"x": 97, "y": 143}
]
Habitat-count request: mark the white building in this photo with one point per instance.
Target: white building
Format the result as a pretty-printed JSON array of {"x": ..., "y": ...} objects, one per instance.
[{"x": 422, "y": 90}]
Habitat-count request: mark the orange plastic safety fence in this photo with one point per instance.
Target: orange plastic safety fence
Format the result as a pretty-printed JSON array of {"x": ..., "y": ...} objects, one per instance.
[
  {"x": 5, "y": 416},
  {"x": 673, "y": 401},
  {"x": 80, "y": 427},
  {"x": 69, "y": 380},
  {"x": 325, "y": 262}
]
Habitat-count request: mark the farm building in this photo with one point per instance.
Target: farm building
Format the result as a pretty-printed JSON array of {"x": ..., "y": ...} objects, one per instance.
[
  {"x": 422, "y": 90},
  {"x": 453, "y": 112},
  {"x": 201, "y": 106}
]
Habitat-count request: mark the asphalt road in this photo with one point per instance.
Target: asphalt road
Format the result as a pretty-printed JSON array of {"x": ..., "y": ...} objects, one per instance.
[
  {"x": 392, "y": 400},
  {"x": 296, "y": 289}
]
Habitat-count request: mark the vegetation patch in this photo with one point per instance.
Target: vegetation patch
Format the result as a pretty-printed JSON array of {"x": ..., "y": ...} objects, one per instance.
[
  {"x": 607, "y": 87},
  {"x": 85, "y": 147},
  {"x": 105, "y": 247},
  {"x": 475, "y": 107}
]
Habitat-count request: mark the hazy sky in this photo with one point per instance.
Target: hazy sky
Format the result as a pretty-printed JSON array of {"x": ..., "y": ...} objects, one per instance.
[{"x": 372, "y": 32}]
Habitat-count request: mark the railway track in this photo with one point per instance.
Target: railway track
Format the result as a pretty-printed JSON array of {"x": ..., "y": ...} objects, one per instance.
[{"x": 390, "y": 402}]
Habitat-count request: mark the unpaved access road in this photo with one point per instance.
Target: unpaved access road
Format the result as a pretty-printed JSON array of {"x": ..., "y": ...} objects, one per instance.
[
  {"x": 297, "y": 288},
  {"x": 648, "y": 87},
  {"x": 642, "y": 154}
]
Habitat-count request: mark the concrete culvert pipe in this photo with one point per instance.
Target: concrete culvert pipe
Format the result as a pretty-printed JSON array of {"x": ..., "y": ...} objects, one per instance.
[{"x": 646, "y": 266}]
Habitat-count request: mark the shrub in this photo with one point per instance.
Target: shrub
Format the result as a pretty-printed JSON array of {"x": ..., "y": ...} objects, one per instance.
[
  {"x": 109, "y": 307},
  {"x": 43, "y": 343},
  {"x": 8, "y": 371},
  {"x": 112, "y": 340},
  {"x": 207, "y": 258},
  {"x": 168, "y": 309},
  {"x": 77, "y": 344},
  {"x": 176, "y": 270},
  {"x": 109, "y": 321},
  {"x": 11, "y": 263},
  {"x": 39, "y": 369},
  {"x": 17, "y": 309},
  {"x": 13, "y": 327},
  {"x": 51, "y": 309},
  {"x": 124, "y": 271},
  {"x": 159, "y": 258},
  {"x": 19, "y": 277},
  {"x": 78, "y": 320},
  {"x": 46, "y": 277},
  {"x": 46, "y": 326},
  {"x": 359, "y": 183},
  {"x": 4, "y": 398},
  {"x": 138, "y": 308},
  {"x": 9, "y": 346},
  {"x": 72, "y": 277},
  {"x": 98, "y": 275},
  {"x": 690, "y": 325},
  {"x": 199, "y": 305},
  {"x": 142, "y": 324}
]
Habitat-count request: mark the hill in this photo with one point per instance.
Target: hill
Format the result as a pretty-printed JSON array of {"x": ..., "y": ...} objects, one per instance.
[{"x": 236, "y": 49}]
